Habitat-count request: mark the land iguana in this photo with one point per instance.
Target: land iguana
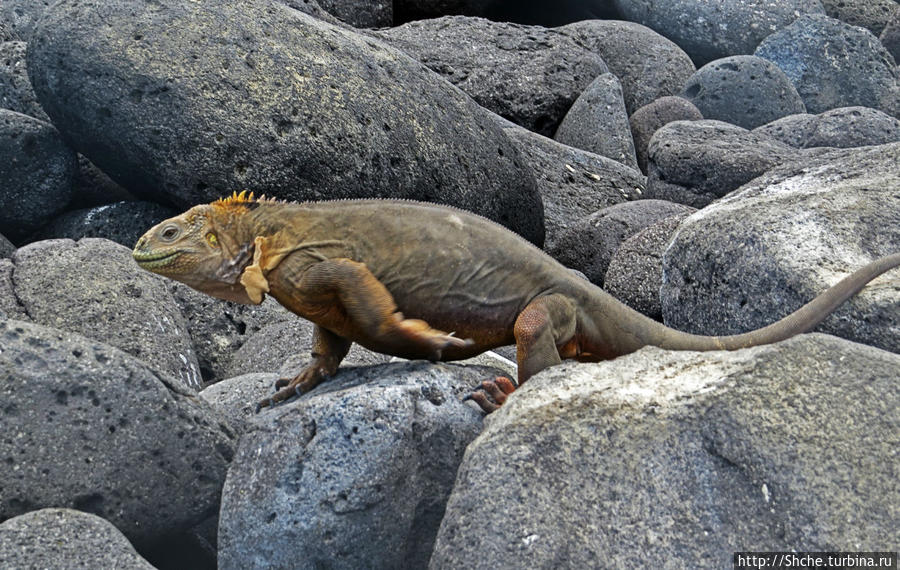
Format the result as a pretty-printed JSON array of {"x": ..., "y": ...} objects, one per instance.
[{"x": 423, "y": 281}]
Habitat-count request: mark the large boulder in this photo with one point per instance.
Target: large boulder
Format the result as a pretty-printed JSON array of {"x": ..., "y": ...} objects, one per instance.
[
  {"x": 527, "y": 74},
  {"x": 833, "y": 64},
  {"x": 710, "y": 30},
  {"x": 651, "y": 117},
  {"x": 743, "y": 90},
  {"x": 573, "y": 182},
  {"x": 785, "y": 237},
  {"x": 598, "y": 122},
  {"x": 184, "y": 101},
  {"x": 89, "y": 427},
  {"x": 65, "y": 538},
  {"x": 589, "y": 244},
  {"x": 37, "y": 171},
  {"x": 696, "y": 162},
  {"x": 648, "y": 65},
  {"x": 844, "y": 127},
  {"x": 634, "y": 275},
  {"x": 354, "y": 474},
  {"x": 94, "y": 288},
  {"x": 679, "y": 459}
]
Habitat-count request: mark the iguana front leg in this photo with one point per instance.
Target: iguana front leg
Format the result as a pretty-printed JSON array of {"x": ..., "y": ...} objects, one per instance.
[
  {"x": 346, "y": 301},
  {"x": 544, "y": 325},
  {"x": 328, "y": 351}
]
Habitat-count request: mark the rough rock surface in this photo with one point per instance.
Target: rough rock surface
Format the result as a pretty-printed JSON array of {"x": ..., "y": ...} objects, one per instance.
[
  {"x": 219, "y": 328},
  {"x": 598, "y": 122},
  {"x": 844, "y": 127},
  {"x": 782, "y": 239},
  {"x": 21, "y": 16},
  {"x": 526, "y": 74},
  {"x": 185, "y": 101},
  {"x": 574, "y": 183},
  {"x": 890, "y": 36},
  {"x": 16, "y": 93},
  {"x": 743, "y": 90},
  {"x": 870, "y": 14},
  {"x": 590, "y": 243},
  {"x": 696, "y": 162},
  {"x": 65, "y": 538},
  {"x": 37, "y": 171},
  {"x": 121, "y": 222},
  {"x": 6, "y": 247},
  {"x": 89, "y": 427},
  {"x": 354, "y": 474},
  {"x": 710, "y": 30},
  {"x": 75, "y": 286},
  {"x": 679, "y": 459},
  {"x": 857, "y": 70},
  {"x": 648, "y": 119},
  {"x": 634, "y": 275},
  {"x": 647, "y": 65}
]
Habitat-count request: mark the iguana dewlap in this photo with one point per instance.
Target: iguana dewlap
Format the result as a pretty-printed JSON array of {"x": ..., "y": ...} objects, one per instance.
[{"x": 419, "y": 280}]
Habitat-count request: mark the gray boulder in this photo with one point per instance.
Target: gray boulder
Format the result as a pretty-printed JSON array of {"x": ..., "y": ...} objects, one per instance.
[
  {"x": 92, "y": 428},
  {"x": 648, "y": 119},
  {"x": 743, "y": 90},
  {"x": 354, "y": 474},
  {"x": 597, "y": 122},
  {"x": 857, "y": 71},
  {"x": 65, "y": 538},
  {"x": 574, "y": 183},
  {"x": 696, "y": 162},
  {"x": 635, "y": 275},
  {"x": 844, "y": 127},
  {"x": 711, "y": 30},
  {"x": 589, "y": 244},
  {"x": 121, "y": 222},
  {"x": 647, "y": 65},
  {"x": 527, "y": 74},
  {"x": 211, "y": 98},
  {"x": 870, "y": 14},
  {"x": 93, "y": 287},
  {"x": 782, "y": 239},
  {"x": 679, "y": 459},
  {"x": 38, "y": 173},
  {"x": 16, "y": 93}
]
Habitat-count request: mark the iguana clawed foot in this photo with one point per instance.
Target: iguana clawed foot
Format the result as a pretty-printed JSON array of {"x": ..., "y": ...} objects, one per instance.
[
  {"x": 499, "y": 389},
  {"x": 309, "y": 378}
]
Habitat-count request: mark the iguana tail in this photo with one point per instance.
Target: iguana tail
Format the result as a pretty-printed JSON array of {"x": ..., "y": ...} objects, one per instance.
[{"x": 802, "y": 320}]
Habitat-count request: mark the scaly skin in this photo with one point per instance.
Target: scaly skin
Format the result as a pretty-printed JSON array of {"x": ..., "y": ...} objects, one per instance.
[{"x": 393, "y": 276}]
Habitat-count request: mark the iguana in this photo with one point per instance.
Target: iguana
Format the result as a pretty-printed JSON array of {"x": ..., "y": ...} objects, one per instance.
[{"x": 419, "y": 280}]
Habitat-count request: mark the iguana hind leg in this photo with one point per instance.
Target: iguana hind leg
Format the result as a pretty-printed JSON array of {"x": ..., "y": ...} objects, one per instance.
[
  {"x": 328, "y": 351},
  {"x": 543, "y": 326}
]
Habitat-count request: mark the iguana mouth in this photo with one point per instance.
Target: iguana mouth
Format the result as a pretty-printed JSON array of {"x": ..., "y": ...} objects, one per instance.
[{"x": 149, "y": 260}]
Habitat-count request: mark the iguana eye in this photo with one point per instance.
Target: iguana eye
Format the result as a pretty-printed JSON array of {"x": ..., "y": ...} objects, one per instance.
[
  {"x": 169, "y": 233},
  {"x": 212, "y": 240}
]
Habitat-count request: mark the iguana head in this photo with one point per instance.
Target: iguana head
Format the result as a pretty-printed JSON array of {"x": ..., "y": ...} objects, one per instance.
[{"x": 203, "y": 248}]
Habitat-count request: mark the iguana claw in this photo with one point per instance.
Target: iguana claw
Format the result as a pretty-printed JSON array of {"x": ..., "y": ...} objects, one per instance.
[{"x": 499, "y": 389}]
